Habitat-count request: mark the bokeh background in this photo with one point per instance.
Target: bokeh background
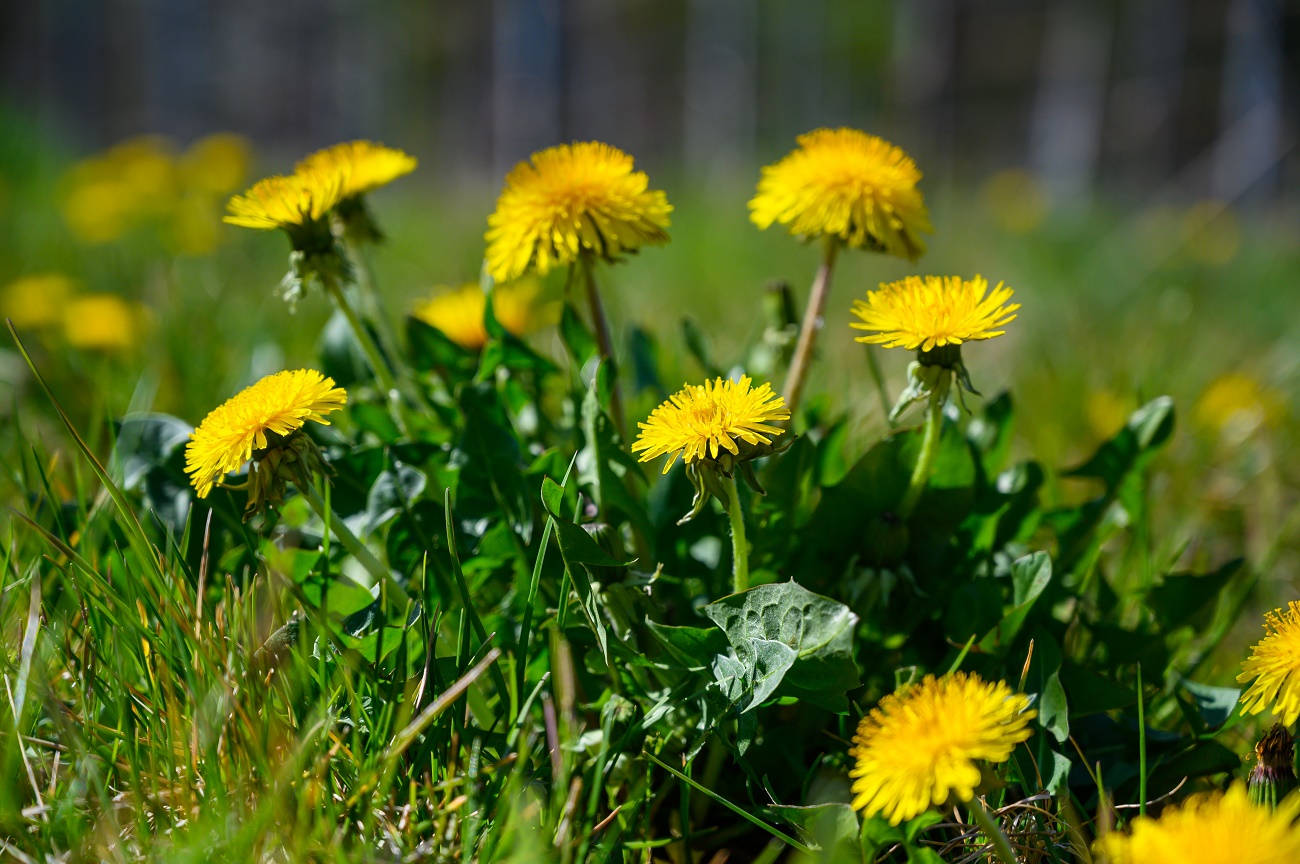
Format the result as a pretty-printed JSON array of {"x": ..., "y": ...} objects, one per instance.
[{"x": 1128, "y": 166}]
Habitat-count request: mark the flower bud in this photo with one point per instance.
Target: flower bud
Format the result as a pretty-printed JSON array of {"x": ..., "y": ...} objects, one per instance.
[{"x": 1273, "y": 776}]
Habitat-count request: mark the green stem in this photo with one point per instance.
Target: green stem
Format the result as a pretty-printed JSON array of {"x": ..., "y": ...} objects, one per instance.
[
  {"x": 873, "y": 363},
  {"x": 991, "y": 829},
  {"x": 604, "y": 337},
  {"x": 739, "y": 548},
  {"x": 929, "y": 445},
  {"x": 372, "y": 305},
  {"x": 383, "y": 374},
  {"x": 355, "y": 547},
  {"x": 812, "y": 323}
]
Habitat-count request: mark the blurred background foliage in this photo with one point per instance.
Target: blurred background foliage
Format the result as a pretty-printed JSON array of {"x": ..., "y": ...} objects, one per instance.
[{"x": 1128, "y": 167}]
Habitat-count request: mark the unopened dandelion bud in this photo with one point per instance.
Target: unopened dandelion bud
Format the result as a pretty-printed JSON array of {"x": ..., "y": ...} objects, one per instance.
[{"x": 1273, "y": 777}]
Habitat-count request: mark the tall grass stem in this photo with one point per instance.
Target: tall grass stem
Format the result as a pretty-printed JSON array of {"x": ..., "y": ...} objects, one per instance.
[{"x": 812, "y": 324}]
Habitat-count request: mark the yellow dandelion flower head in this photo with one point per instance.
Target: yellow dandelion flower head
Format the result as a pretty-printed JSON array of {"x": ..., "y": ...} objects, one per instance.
[
  {"x": 103, "y": 322},
  {"x": 920, "y": 744},
  {"x": 570, "y": 199},
  {"x": 293, "y": 201},
  {"x": 916, "y": 313},
  {"x": 362, "y": 166},
  {"x": 458, "y": 312},
  {"x": 1238, "y": 402},
  {"x": 1274, "y": 666},
  {"x": 217, "y": 164},
  {"x": 1210, "y": 829},
  {"x": 847, "y": 184},
  {"x": 702, "y": 420},
  {"x": 279, "y": 404},
  {"x": 36, "y": 300}
]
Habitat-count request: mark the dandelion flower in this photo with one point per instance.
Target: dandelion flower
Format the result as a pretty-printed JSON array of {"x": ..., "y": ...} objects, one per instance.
[
  {"x": 36, "y": 300},
  {"x": 458, "y": 313},
  {"x": 102, "y": 322},
  {"x": 290, "y": 202},
  {"x": 254, "y": 419},
  {"x": 933, "y": 312},
  {"x": 1210, "y": 829},
  {"x": 847, "y": 184},
  {"x": 1238, "y": 402},
  {"x": 1274, "y": 665},
  {"x": 217, "y": 164},
  {"x": 717, "y": 417},
  {"x": 920, "y": 745},
  {"x": 361, "y": 166},
  {"x": 570, "y": 199}
]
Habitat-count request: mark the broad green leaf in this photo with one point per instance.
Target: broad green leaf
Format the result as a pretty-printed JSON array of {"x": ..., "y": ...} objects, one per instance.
[
  {"x": 818, "y": 629},
  {"x": 690, "y": 647},
  {"x": 1029, "y": 577},
  {"x": 1183, "y": 599},
  {"x": 1091, "y": 693},
  {"x": 1215, "y": 704},
  {"x": 751, "y": 677},
  {"x": 394, "y": 491},
  {"x": 832, "y": 828}
]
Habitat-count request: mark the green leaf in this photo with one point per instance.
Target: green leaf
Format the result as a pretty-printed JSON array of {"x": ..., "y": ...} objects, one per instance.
[
  {"x": 832, "y": 828},
  {"x": 489, "y": 458},
  {"x": 751, "y": 677},
  {"x": 1203, "y": 758},
  {"x": 689, "y": 647},
  {"x": 576, "y": 337},
  {"x": 818, "y": 629},
  {"x": 432, "y": 351},
  {"x": 1183, "y": 599},
  {"x": 393, "y": 492},
  {"x": 1091, "y": 693},
  {"x": 1215, "y": 704},
  {"x": 576, "y": 545},
  {"x": 1053, "y": 708},
  {"x": 1147, "y": 430},
  {"x": 1029, "y": 577}
]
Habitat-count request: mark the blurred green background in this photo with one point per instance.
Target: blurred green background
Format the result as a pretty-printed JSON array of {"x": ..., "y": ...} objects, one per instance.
[{"x": 1128, "y": 167}]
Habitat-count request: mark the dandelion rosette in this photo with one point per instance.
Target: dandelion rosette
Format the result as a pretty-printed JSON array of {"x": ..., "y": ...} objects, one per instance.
[
  {"x": 933, "y": 312},
  {"x": 259, "y": 423},
  {"x": 712, "y": 420},
  {"x": 1210, "y": 829},
  {"x": 1274, "y": 666},
  {"x": 568, "y": 200},
  {"x": 921, "y": 745},
  {"x": 846, "y": 184}
]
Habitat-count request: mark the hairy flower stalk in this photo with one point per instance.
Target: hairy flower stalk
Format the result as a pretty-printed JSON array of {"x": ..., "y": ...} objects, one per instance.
[
  {"x": 718, "y": 428},
  {"x": 849, "y": 189}
]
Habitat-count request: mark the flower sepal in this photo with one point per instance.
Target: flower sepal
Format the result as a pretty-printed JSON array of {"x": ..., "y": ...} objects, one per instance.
[
  {"x": 295, "y": 458},
  {"x": 312, "y": 268},
  {"x": 1273, "y": 777}
]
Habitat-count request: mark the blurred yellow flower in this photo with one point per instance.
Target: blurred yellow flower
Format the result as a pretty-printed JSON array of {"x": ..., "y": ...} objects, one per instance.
[
  {"x": 916, "y": 313},
  {"x": 102, "y": 322},
  {"x": 1239, "y": 402},
  {"x": 289, "y": 202},
  {"x": 569, "y": 199},
  {"x": 1107, "y": 411},
  {"x": 458, "y": 312},
  {"x": 1017, "y": 200},
  {"x": 37, "y": 300},
  {"x": 1210, "y": 828},
  {"x": 361, "y": 166},
  {"x": 1274, "y": 666},
  {"x": 701, "y": 421},
  {"x": 921, "y": 744},
  {"x": 256, "y": 417},
  {"x": 847, "y": 184},
  {"x": 196, "y": 226},
  {"x": 217, "y": 164}
]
